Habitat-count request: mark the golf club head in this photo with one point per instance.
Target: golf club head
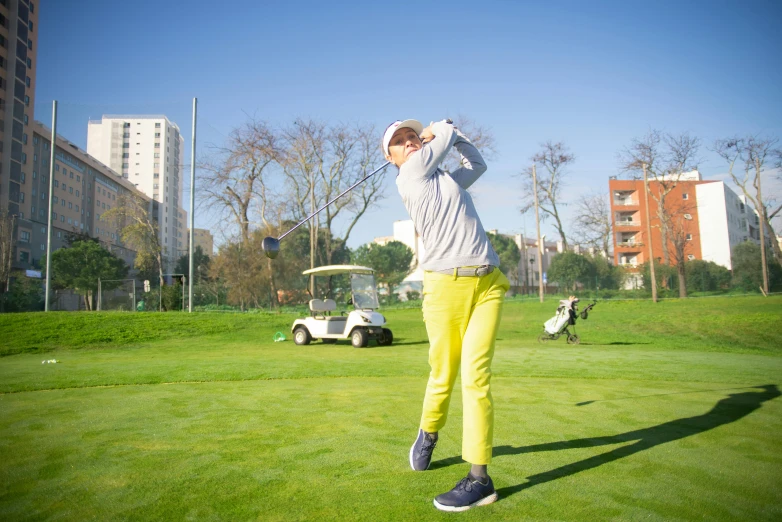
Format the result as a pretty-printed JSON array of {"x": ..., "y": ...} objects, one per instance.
[{"x": 271, "y": 247}]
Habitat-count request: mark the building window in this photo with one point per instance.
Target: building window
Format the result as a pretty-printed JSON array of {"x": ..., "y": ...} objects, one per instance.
[
  {"x": 21, "y": 197},
  {"x": 688, "y": 237},
  {"x": 24, "y": 236},
  {"x": 690, "y": 257},
  {"x": 687, "y": 216},
  {"x": 685, "y": 196},
  {"x": 24, "y": 156},
  {"x": 27, "y": 80},
  {"x": 157, "y": 125}
]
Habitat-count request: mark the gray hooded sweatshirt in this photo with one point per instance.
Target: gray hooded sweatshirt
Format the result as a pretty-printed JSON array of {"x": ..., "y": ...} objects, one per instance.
[{"x": 440, "y": 206}]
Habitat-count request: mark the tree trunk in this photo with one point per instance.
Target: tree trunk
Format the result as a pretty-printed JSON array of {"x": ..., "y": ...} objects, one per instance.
[
  {"x": 682, "y": 281},
  {"x": 275, "y": 303},
  {"x": 663, "y": 233}
]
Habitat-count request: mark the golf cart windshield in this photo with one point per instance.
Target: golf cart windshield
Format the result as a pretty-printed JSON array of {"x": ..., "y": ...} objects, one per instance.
[{"x": 364, "y": 293}]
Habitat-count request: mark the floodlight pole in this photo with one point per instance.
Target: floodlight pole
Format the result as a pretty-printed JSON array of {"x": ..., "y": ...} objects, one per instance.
[
  {"x": 537, "y": 224},
  {"x": 192, "y": 207},
  {"x": 649, "y": 237},
  {"x": 49, "y": 219}
]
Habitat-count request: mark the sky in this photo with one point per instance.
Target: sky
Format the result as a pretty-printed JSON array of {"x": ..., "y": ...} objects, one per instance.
[{"x": 594, "y": 75}]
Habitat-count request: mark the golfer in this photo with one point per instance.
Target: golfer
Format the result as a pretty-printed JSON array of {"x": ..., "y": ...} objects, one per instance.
[{"x": 463, "y": 295}]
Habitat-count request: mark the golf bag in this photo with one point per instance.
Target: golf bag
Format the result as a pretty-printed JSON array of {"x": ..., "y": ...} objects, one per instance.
[{"x": 567, "y": 313}]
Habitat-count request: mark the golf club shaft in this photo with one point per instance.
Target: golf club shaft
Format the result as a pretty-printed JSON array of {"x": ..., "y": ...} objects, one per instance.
[{"x": 357, "y": 183}]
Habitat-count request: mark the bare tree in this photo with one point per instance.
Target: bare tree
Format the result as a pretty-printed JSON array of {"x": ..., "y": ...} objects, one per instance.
[
  {"x": 7, "y": 229},
  {"x": 667, "y": 157},
  {"x": 593, "y": 225},
  {"x": 554, "y": 158},
  {"x": 754, "y": 153},
  {"x": 681, "y": 233},
  {"x": 321, "y": 161},
  {"x": 239, "y": 176},
  {"x": 138, "y": 228}
]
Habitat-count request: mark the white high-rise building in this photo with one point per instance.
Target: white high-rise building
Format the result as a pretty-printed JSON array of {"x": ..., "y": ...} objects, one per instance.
[{"x": 149, "y": 152}]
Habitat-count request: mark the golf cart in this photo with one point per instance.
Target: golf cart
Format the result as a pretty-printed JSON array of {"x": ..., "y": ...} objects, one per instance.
[{"x": 360, "y": 325}]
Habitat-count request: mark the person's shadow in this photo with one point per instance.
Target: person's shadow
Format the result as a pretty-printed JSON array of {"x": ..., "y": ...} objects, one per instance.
[{"x": 730, "y": 409}]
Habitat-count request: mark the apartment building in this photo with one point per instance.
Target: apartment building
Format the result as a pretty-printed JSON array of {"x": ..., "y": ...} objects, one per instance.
[
  {"x": 148, "y": 151},
  {"x": 201, "y": 238},
  {"x": 711, "y": 216},
  {"x": 18, "y": 60},
  {"x": 83, "y": 189}
]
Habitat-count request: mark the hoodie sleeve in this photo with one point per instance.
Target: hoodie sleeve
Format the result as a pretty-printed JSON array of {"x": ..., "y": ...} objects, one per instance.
[{"x": 472, "y": 165}]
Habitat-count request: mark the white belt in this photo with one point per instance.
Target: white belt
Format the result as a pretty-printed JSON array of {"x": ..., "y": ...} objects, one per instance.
[{"x": 468, "y": 271}]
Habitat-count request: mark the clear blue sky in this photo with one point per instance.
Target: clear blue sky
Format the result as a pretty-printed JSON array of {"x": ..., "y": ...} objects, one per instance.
[{"x": 592, "y": 74}]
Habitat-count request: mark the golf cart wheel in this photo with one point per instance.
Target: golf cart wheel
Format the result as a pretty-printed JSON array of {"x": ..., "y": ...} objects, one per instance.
[
  {"x": 542, "y": 338},
  {"x": 359, "y": 338},
  {"x": 301, "y": 336},
  {"x": 329, "y": 341},
  {"x": 387, "y": 338},
  {"x": 573, "y": 339}
]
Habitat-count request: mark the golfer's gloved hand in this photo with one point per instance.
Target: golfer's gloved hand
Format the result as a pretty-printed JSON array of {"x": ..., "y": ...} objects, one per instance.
[{"x": 427, "y": 135}]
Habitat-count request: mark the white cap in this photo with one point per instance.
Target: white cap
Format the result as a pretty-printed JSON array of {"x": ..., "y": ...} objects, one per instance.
[{"x": 413, "y": 124}]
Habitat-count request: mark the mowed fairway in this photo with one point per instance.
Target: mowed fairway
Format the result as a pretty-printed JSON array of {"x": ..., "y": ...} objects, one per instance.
[{"x": 664, "y": 412}]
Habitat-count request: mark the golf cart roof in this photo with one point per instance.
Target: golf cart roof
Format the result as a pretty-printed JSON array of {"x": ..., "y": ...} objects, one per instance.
[{"x": 339, "y": 269}]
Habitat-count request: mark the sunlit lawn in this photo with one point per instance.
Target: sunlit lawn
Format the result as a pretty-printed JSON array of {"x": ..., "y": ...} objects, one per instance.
[{"x": 664, "y": 412}]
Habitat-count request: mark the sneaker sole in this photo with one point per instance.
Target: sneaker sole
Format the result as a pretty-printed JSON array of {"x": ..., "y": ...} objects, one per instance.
[
  {"x": 482, "y": 502},
  {"x": 412, "y": 466}
]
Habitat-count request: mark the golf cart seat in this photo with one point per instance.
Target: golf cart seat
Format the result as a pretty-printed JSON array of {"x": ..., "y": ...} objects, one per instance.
[{"x": 319, "y": 308}]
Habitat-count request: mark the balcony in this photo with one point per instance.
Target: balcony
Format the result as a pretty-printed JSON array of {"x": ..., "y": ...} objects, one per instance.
[
  {"x": 628, "y": 224},
  {"x": 629, "y": 244},
  {"x": 625, "y": 202}
]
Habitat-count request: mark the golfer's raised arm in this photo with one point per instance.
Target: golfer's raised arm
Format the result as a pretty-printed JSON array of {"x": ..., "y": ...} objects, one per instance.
[
  {"x": 473, "y": 164},
  {"x": 426, "y": 161}
]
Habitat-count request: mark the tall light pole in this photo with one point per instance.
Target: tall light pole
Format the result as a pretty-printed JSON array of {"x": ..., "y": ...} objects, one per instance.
[
  {"x": 537, "y": 224},
  {"x": 649, "y": 237},
  {"x": 49, "y": 219},
  {"x": 192, "y": 208},
  {"x": 762, "y": 212}
]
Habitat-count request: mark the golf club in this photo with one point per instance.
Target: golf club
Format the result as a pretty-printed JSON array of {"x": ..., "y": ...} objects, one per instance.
[{"x": 271, "y": 245}]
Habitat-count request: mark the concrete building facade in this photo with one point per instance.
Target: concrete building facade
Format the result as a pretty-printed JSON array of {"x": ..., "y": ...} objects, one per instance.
[
  {"x": 201, "y": 238},
  {"x": 83, "y": 189},
  {"x": 18, "y": 60},
  {"x": 148, "y": 151}
]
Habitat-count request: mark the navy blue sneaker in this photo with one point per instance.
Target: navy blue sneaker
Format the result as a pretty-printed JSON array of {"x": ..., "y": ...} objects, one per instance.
[
  {"x": 421, "y": 452},
  {"x": 470, "y": 492}
]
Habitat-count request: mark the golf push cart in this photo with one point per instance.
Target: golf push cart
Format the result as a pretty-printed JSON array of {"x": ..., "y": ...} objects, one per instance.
[
  {"x": 567, "y": 313},
  {"x": 360, "y": 325}
]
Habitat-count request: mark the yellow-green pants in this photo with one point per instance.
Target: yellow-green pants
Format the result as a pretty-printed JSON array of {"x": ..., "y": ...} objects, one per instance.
[{"x": 462, "y": 315}]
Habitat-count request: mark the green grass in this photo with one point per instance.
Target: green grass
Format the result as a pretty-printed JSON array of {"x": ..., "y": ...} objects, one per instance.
[{"x": 659, "y": 414}]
